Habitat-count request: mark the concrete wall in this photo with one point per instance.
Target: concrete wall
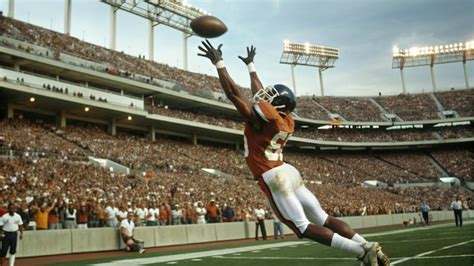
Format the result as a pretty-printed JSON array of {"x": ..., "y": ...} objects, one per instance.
[{"x": 54, "y": 242}]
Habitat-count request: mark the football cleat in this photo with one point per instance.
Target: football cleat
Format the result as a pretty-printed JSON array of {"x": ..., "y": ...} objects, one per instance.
[
  {"x": 370, "y": 256},
  {"x": 382, "y": 259}
]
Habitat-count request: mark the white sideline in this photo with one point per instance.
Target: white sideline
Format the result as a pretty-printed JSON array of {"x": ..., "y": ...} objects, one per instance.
[
  {"x": 194, "y": 255},
  {"x": 218, "y": 253}
]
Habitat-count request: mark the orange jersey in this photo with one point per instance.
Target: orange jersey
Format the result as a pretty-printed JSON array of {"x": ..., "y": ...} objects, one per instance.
[{"x": 264, "y": 148}]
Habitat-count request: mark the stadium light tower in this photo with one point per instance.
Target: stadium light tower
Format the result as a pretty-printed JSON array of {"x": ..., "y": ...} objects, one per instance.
[
  {"x": 431, "y": 55},
  {"x": 176, "y": 14},
  {"x": 308, "y": 54}
]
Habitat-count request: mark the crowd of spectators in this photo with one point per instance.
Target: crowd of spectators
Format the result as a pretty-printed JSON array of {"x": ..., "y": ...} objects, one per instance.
[
  {"x": 346, "y": 106},
  {"x": 173, "y": 181},
  {"x": 408, "y": 107},
  {"x": 196, "y": 116},
  {"x": 461, "y": 101},
  {"x": 458, "y": 163}
]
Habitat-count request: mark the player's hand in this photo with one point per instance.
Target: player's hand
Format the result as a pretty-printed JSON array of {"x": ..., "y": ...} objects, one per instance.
[
  {"x": 250, "y": 55},
  {"x": 215, "y": 55}
]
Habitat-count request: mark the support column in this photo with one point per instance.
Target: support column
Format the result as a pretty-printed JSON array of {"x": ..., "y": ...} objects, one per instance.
[
  {"x": 237, "y": 145},
  {"x": 113, "y": 26},
  {"x": 61, "y": 119},
  {"x": 321, "y": 84},
  {"x": 194, "y": 139},
  {"x": 152, "y": 133},
  {"x": 112, "y": 128},
  {"x": 293, "y": 78},
  {"x": 432, "y": 72},
  {"x": 16, "y": 67},
  {"x": 10, "y": 112},
  {"x": 185, "y": 51},
  {"x": 466, "y": 78},
  {"x": 11, "y": 8},
  {"x": 433, "y": 78},
  {"x": 151, "y": 40},
  {"x": 403, "y": 80},
  {"x": 67, "y": 17}
]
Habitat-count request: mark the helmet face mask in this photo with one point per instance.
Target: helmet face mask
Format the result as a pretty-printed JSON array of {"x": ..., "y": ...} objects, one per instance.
[
  {"x": 280, "y": 96},
  {"x": 265, "y": 95}
]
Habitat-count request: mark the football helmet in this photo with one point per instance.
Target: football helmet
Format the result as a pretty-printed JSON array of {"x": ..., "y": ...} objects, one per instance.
[{"x": 279, "y": 96}]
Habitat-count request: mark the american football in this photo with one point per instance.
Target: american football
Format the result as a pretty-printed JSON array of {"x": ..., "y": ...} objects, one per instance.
[{"x": 208, "y": 26}]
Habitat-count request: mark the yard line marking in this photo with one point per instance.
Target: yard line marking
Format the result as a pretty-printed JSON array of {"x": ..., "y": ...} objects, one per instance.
[
  {"x": 344, "y": 258},
  {"x": 194, "y": 255},
  {"x": 429, "y": 252},
  {"x": 284, "y": 258},
  {"x": 423, "y": 239}
]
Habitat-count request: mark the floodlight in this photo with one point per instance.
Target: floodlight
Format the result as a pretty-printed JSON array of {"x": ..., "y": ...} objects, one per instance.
[
  {"x": 431, "y": 55},
  {"x": 307, "y": 54}
]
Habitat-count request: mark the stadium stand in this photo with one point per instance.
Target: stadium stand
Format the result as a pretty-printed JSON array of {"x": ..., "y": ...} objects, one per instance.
[
  {"x": 71, "y": 50},
  {"x": 41, "y": 161}
]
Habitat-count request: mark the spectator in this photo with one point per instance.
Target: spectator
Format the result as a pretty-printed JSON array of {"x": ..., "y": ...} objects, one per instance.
[
  {"x": 70, "y": 221},
  {"x": 457, "y": 206},
  {"x": 260, "y": 222},
  {"x": 277, "y": 226},
  {"x": 212, "y": 212},
  {"x": 153, "y": 214},
  {"x": 424, "y": 208},
  {"x": 111, "y": 213},
  {"x": 201, "y": 213},
  {"x": 42, "y": 214},
  {"x": 228, "y": 213},
  {"x": 82, "y": 216}
]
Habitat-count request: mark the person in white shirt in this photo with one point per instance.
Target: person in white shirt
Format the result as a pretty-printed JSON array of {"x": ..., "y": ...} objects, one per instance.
[
  {"x": 111, "y": 214},
  {"x": 176, "y": 214},
  {"x": 10, "y": 223},
  {"x": 277, "y": 227},
  {"x": 127, "y": 226},
  {"x": 153, "y": 215},
  {"x": 260, "y": 222},
  {"x": 141, "y": 212},
  {"x": 201, "y": 213},
  {"x": 456, "y": 205}
]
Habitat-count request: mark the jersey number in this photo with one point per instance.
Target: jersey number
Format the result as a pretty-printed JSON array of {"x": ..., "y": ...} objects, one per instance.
[{"x": 274, "y": 150}]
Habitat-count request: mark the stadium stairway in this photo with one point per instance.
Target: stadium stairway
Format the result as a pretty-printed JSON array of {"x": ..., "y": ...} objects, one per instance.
[{"x": 384, "y": 111}]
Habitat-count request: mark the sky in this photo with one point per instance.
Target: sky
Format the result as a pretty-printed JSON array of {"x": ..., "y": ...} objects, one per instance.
[{"x": 364, "y": 31}]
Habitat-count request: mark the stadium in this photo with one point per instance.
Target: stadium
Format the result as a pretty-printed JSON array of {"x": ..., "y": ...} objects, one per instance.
[{"x": 85, "y": 128}]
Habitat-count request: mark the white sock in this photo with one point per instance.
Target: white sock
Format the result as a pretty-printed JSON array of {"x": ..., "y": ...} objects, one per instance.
[
  {"x": 359, "y": 239},
  {"x": 11, "y": 260},
  {"x": 346, "y": 244}
]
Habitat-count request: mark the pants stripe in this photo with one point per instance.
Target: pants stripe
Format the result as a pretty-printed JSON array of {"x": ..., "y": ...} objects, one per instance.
[{"x": 268, "y": 193}]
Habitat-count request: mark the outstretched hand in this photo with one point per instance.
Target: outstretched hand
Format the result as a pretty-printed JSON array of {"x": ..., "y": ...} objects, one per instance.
[
  {"x": 215, "y": 55},
  {"x": 250, "y": 55}
]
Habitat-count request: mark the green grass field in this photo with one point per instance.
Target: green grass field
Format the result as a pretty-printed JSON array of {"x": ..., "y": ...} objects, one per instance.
[{"x": 434, "y": 245}]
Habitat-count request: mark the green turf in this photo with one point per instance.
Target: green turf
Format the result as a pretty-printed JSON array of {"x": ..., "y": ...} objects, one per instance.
[{"x": 398, "y": 246}]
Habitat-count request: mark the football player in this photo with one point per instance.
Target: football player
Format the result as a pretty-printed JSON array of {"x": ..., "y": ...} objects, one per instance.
[{"x": 268, "y": 126}]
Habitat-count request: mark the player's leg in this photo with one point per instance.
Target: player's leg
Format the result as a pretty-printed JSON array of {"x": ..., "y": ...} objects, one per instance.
[{"x": 288, "y": 208}]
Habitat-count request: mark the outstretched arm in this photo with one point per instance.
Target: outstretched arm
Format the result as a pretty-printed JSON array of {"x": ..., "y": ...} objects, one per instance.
[
  {"x": 255, "y": 83},
  {"x": 231, "y": 90}
]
